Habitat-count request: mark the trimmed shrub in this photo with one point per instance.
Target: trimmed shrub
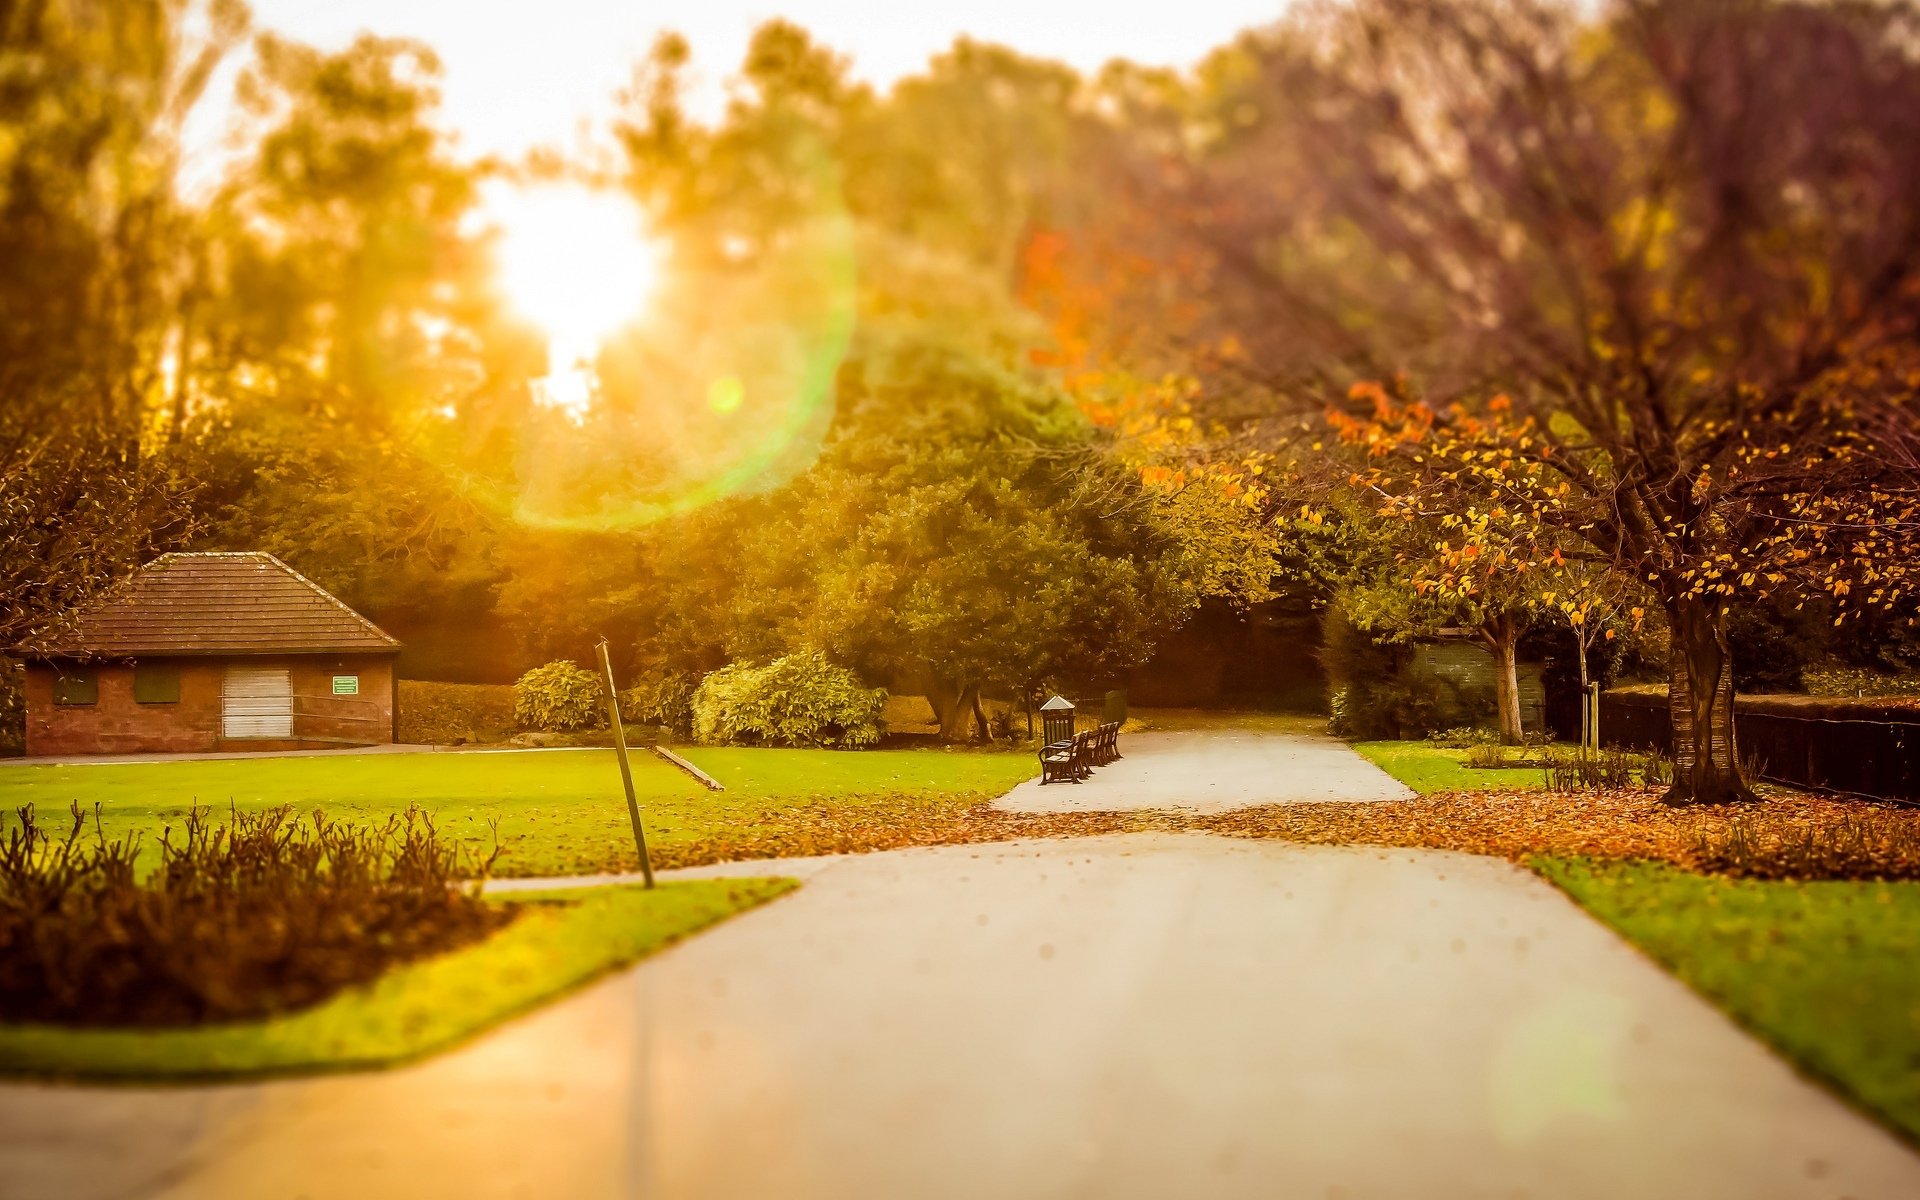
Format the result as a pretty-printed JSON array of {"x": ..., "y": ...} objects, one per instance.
[
  {"x": 665, "y": 700},
  {"x": 263, "y": 915},
  {"x": 559, "y": 696},
  {"x": 798, "y": 700},
  {"x": 450, "y": 714}
]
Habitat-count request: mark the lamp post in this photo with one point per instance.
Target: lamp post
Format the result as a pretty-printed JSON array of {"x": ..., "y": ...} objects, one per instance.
[{"x": 1056, "y": 720}]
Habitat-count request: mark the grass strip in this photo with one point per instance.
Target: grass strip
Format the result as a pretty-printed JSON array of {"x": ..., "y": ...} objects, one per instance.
[
  {"x": 1827, "y": 972},
  {"x": 561, "y": 941},
  {"x": 1428, "y": 769}
]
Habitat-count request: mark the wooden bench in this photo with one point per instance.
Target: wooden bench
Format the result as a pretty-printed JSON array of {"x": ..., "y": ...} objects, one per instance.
[
  {"x": 1058, "y": 763},
  {"x": 1110, "y": 742},
  {"x": 1072, "y": 760}
]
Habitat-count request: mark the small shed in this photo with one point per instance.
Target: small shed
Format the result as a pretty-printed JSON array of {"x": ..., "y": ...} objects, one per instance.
[
  {"x": 1463, "y": 661},
  {"x": 210, "y": 652}
]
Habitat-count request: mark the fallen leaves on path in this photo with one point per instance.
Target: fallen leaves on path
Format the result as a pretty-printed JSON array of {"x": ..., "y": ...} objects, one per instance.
[{"x": 1510, "y": 825}]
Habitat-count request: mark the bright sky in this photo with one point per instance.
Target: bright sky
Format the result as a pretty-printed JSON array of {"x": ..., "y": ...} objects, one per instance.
[{"x": 521, "y": 73}]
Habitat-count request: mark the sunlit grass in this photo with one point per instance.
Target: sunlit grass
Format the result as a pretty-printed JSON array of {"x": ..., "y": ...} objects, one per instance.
[
  {"x": 561, "y": 812},
  {"x": 1827, "y": 972},
  {"x": 1427, "y": 768}
]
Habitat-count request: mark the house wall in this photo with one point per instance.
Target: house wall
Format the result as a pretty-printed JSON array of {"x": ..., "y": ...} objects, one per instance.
[{"x": 118, "y": 724}]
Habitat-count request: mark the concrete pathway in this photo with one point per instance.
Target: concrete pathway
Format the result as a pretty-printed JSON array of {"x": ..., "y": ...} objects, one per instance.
[
  {"x": 1214, "y": 771},
  {"x": 1140, "y": 1016}
]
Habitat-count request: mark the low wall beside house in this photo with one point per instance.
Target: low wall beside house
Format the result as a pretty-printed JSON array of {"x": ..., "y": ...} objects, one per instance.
[{"x": 1862, "y": 747}]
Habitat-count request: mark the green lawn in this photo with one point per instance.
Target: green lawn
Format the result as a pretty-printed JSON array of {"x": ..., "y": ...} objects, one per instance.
[
  {"x": 1829, "y": 973},
  {"x": 1427, "y": 768},
  {"x": 563, "y": 941},
  {"x": 561, "y": 811}
]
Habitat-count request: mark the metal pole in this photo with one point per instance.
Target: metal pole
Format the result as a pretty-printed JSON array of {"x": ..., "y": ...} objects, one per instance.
[{"x": 626, "y": 772}]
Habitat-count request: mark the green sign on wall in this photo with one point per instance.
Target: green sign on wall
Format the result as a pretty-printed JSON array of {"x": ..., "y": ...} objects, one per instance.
[{"x": 346, "y": 685}]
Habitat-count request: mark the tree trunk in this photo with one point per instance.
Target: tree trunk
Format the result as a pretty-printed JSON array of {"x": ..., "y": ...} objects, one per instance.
[
  {"x": 1502, "y": 635},
  {"x": 1588, "y": 710},
  {"x": 953, "y": 706},
  {"x": 1706, "y": 760},
  {"x": 980, "y": 719}
]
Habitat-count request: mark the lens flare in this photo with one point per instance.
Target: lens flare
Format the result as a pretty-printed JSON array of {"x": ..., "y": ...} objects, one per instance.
[{"x": 578, "y": 263}]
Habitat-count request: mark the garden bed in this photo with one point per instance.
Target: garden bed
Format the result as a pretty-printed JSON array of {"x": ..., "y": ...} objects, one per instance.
[{"x": 560, "y": 942}]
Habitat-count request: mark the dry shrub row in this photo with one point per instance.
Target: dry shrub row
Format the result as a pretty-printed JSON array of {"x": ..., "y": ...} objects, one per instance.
[
  {"x": 1870, "y": 844},
  {"x": 262, "y": 915}
]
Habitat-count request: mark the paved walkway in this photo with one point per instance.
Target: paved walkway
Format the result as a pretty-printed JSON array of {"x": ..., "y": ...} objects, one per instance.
[
  {"x": 1214, "y": 771},
  {"x": 1141, "y": 1016}
]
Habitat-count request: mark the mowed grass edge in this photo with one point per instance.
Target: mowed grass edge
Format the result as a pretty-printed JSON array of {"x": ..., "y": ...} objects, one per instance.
[
  {"x": 561, "y": 941},
  {"x": 1428, "y": 769},
  {"x": 1827, "y": 973}
]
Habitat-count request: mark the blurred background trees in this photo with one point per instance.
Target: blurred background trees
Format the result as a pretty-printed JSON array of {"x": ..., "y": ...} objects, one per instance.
[{"x": 990, "y": 378}]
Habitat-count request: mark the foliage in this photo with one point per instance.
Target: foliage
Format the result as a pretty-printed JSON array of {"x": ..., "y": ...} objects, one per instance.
[
  {"x": 665, "y": 699},
  {"x": 1372, "y": 694},
  {"x": 1483, "y": 756},
  {"x": 1837, "y": 680},
  {"x": 559, "y": 696},
  {"x": 263, "y": 915},
  {"x": 1824, "y": 972},
  {"x": 557, "y": 941},
  {"x": 1494, "y": 239},
  {"x": 1772, "y": 648},
  {"x": 1608, "y": 770},
  {"x": 453, "y": 714},
  {"x": 1463, "y": 737},
  {"x": 89, "y": 139},
  {"x": 795, "y": 700}
]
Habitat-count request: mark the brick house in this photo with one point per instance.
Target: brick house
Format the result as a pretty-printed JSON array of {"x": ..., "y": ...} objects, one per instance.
[{"x": 204, "y": 652}]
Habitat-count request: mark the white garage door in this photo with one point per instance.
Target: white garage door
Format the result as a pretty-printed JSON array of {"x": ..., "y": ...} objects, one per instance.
[{"x": 256, "y": 702}]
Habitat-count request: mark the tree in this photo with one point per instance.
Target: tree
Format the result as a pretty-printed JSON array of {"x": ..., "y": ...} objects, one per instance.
[
  {"x": 1641, "y": 286},
  {"x": 348, "y": 365},
  {"x": 90, "y": 113},
  {"x": 949, "y": 535}
]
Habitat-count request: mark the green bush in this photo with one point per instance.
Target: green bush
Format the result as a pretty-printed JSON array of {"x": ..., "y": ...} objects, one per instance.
[
  {"x": 1372, "y": 695},
  {"x": 665, "y": 700},
  {"x": 559, "y": 696},
  {"x": 799, "y": 700}
]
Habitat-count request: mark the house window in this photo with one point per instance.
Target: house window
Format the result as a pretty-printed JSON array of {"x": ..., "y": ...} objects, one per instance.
[
  {"x": 76, "y": 685},
  {"x": 156, "y": 683}
]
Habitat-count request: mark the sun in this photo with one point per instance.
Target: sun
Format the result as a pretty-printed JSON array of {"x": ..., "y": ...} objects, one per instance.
[{"x": 577, "y": 262}]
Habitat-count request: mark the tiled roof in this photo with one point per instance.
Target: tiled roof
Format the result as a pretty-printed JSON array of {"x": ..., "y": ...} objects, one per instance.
[{"x": 192, "y": 604}]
